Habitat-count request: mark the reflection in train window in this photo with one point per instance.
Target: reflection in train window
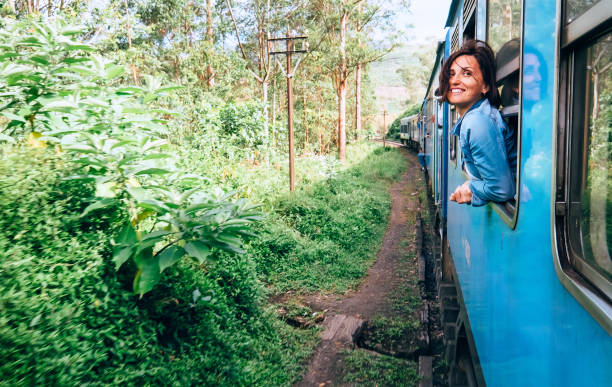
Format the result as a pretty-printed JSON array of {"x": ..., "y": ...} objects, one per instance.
[
  {"x": 590, "y": 173},
  {"x": 504, "y": 22},
  {"x": 576, "y": 8},
  {"x": 504, "y": 37}
]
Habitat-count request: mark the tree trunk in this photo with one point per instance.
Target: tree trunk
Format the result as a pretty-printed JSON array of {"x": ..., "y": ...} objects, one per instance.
[
  {"x": 358, "y": 81},
  {"x": 342, "y": 121},
  {"x": 358, "y": 101},
  {"x": 209, "y": 35},
  {"x": 304, "y": 124},
  {"x": 341, "y": 89},
  {"x": 273, "y": 102},
  {"x": 264, "y": 98},
  {"x": 129, "y": 28}
]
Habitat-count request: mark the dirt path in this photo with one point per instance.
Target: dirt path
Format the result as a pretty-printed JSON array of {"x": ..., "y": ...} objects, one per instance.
[{"x": 345, "y": 316}]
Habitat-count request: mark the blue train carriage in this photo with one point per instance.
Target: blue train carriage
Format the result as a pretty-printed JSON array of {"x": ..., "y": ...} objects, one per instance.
[
  {"x": 526, "y": 286},
  {"x": 414, "y": 134},
  {"x": 435, "y": 128},
  {"x": 409, "y": 135},
  {"x": 404, "y": 133}
]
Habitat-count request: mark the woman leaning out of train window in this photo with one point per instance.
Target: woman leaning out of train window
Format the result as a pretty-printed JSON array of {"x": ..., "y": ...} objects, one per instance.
[{"x": 467, "y": 80}]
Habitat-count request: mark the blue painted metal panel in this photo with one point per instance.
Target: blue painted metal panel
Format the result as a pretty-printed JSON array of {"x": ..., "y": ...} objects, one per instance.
[
  {"x": 429, "y": 141},
  {"x": 447, "y": 44},
  {"x": 527, "y": 328}
]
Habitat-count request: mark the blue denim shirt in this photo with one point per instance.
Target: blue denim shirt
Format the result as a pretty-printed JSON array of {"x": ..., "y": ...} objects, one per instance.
[{"x": 489, "y": 153}]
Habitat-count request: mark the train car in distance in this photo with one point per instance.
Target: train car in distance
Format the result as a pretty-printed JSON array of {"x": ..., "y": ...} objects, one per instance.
[
  {"x": 526, "y": 285},
  {"x": 409, "y": 131}
]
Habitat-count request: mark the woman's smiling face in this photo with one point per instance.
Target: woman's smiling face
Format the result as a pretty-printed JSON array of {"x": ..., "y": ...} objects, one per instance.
[{"x": 466, "y": 83}]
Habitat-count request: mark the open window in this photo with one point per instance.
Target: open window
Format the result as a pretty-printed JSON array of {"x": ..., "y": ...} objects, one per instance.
[
  {"x": 504, "y": 35},
  {"x": 583, "y": 196}
]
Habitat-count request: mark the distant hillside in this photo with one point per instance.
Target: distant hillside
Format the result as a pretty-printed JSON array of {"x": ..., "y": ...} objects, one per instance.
[{"x": 390, "y": 90}]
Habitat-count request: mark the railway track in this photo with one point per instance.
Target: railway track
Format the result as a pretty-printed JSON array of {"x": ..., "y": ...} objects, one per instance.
[{"x": 393, "y": 144}]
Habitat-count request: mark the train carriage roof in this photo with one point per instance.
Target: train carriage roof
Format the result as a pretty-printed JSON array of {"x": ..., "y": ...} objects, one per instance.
[{"x": 452, "y": 13}]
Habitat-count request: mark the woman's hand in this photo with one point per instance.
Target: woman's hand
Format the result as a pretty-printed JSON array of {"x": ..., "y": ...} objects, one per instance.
[{"x": 463, "y": 194}]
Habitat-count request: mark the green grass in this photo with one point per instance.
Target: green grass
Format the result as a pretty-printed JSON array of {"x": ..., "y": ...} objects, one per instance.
[
  {"x": 365, "y": 368},
  {"x": 323, "y": 237}
]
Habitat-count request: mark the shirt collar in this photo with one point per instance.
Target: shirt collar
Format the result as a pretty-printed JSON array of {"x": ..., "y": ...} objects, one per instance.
[{"x": 457, "y": 127}]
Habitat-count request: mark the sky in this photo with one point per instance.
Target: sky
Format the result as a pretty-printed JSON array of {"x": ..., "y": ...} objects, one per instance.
[{"x": 427, "y": 18}]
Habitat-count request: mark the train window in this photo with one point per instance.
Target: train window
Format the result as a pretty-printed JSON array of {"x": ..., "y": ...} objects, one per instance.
[
  {"x": 469, "y": 19},
  {"x": 504, "y": 22},
  {"x": 583, "y": 208},
  {"x": 504, "y": 28},
  {"x": 590, "y": 174},
  {"x": 452, "y": 143}
]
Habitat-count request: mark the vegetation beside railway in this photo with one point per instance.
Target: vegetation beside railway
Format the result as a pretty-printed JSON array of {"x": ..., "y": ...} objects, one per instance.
[
  {"x": 131, "y": 251},
  {"x": 68, "y": 317}
]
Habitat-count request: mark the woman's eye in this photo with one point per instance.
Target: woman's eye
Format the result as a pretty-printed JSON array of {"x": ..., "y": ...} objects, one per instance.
[{"x": 467, "y": 73}]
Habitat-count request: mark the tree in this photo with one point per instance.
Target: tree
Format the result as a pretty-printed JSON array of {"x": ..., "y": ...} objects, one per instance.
[
  {"x": 261, "y": 19},
  {"x": 347, "y": 43}
]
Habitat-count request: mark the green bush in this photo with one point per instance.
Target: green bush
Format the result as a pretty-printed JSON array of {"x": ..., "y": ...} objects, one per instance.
[{"x": 68, "y": 318}]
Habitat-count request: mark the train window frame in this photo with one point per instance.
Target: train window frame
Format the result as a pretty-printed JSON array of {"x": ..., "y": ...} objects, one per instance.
[
  {"x": 509, "y": 210},
  {"x": 453, "y": 140},
  {"x": 588, "y": 286}
]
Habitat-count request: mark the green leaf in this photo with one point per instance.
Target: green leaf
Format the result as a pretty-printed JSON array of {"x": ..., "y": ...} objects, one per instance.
[
  {"x": 152, "y": 171},
  {"x": 167, "y": 89},
  {"x": 114, "y": 71},
  {"x": 8, "y": 55},
  {"x": 60, "y": 106},
  {"x": 156, "y": 156},
  {"x": 148, "y": 274},
  {"x": 72, "y": 30},
  {"x": 170, "y": 256},
  {"x": 98, "y": 204},
  {"x": 166, "y": 111},
  {"x": 230, "y": 248},
  {"x": 13, "y": 69},
  {"x": 40, "y": 60},
  {"x": 106, "y": 189},
  {"x": 127, "y": 236},
  {"x": 76, "y": 46},
  {"x": 230, "y": 240},
  {"x": 198, "y": 206},
  {"x": 129, "y": 90},
  {"x": 198, "y": 250},
  {"x": 153, "y": 205},
  {"x": 139, "y": 194},
  {"x": 121, "y": 255}
]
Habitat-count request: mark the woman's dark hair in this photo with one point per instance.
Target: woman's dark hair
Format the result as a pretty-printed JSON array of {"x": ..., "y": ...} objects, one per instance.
[{"x": 486, "y": 60}]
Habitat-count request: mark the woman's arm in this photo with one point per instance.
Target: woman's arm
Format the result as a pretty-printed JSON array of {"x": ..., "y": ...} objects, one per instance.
[{"x": 488, "y": 150}]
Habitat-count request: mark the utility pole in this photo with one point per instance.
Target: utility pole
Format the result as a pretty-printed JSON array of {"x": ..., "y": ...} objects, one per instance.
[
  {"x": 290, "y": 49},
  {"x": 384, "y": 128}
]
